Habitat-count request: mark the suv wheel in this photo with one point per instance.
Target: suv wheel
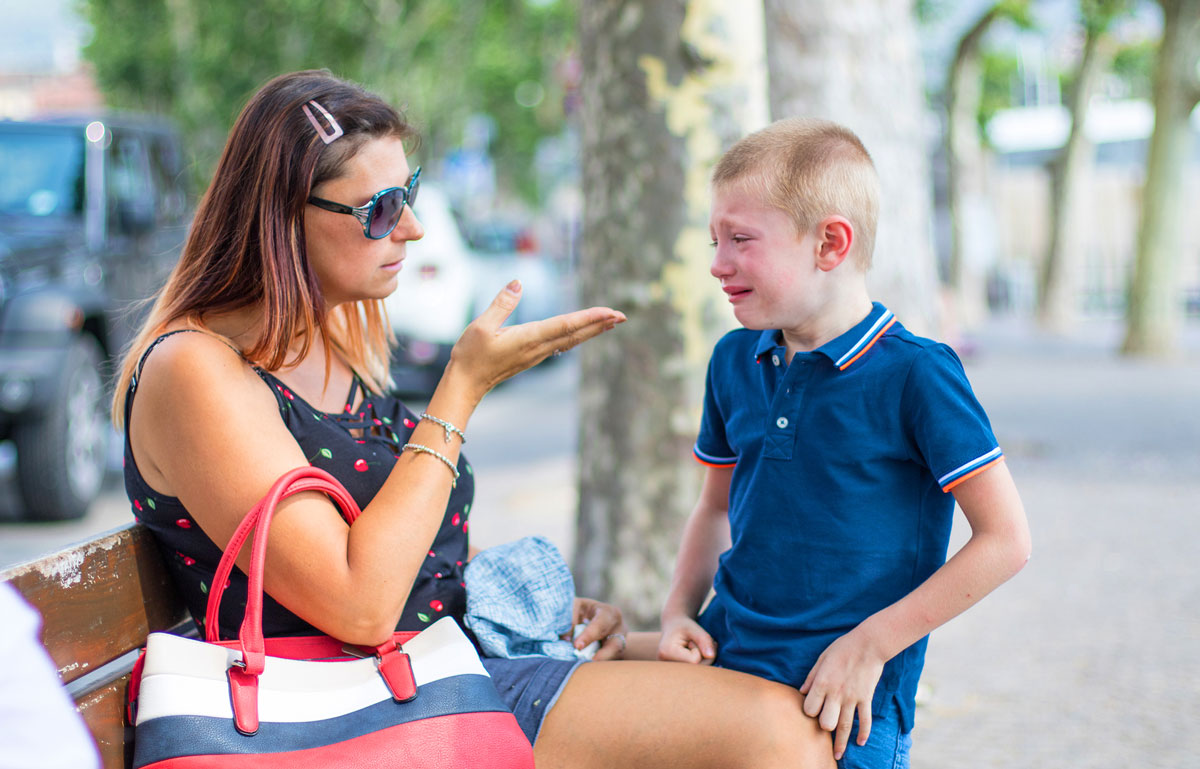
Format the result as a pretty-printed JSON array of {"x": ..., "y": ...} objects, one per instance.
[{"x": 61, "y": 457}]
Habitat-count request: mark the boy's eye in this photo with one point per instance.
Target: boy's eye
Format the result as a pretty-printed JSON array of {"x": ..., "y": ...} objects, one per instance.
[{"x": 713, "y": 243}]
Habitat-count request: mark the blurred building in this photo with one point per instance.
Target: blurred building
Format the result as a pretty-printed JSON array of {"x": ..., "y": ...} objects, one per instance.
[
  {"x": 1026, "y": 141},
  {"x": 41, "y": 65},
  {"x": 25, "y": 94}
]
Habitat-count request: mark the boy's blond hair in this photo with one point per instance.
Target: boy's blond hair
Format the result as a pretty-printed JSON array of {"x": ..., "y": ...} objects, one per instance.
[{"x": 810, "y": 169}]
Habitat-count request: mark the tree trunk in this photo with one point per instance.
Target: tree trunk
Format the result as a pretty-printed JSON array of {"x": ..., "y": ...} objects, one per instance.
[
  {"x": 855, "y": 62},
  {"x": 1058, "y": 286},
  {"x": 1155, "y": 304},
  {"x": 965, "y": 168},
  {"x": 663, "y": 96}
]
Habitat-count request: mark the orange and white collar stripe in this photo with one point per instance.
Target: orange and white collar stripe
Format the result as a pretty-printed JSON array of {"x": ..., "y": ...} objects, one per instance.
[{"x": 878, "y": 329}]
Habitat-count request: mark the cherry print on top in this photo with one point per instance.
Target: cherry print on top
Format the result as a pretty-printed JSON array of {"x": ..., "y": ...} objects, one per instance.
[{"x": 358, "y": 447}]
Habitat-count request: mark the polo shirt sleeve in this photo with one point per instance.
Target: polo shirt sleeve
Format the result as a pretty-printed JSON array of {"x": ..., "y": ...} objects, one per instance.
[
  {"x": 949, "y": 429},
  {"x": 712, "y": 446}
]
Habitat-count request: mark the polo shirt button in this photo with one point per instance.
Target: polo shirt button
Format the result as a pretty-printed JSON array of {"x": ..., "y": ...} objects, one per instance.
[
  {"x": 775, "y": 359},
  {"x": 781, "y": 423}
]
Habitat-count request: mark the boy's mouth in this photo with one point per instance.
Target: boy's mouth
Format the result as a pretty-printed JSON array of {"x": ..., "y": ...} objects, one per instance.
[{"x": 736, "y": 292}]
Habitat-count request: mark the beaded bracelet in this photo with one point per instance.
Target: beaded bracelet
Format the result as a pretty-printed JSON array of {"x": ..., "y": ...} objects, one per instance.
[
  {"x": 419, "y": 449},
  {"x": 449, "y": 428}
]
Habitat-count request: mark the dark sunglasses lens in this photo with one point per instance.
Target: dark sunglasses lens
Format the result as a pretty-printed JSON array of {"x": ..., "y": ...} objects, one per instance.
[
  {"x": 413, "y": 186},
  {"x": 387, "y": 213}
]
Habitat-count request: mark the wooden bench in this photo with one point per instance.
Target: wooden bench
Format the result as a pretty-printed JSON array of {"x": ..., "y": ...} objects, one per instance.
[{"x": 98, "y": 601}]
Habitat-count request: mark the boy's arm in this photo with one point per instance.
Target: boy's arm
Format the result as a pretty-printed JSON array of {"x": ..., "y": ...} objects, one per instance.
[
  {"x": 846, "y": 673},
  {"x": 705, "y": 536}
]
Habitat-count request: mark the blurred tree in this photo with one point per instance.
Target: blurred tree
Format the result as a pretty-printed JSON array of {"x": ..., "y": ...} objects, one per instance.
[
  {"x": 1058, "y": 282},
  {"x": 1133, "y": 64},
  {"x": 443, "y": 61},
  {"x": 1155, "y": 305},
  {"x": 856, "y": 62},
  {"x": 1000, "y": 71},
  {"x": 965, "y": 160},
  {"x": 666, "y": 88}
]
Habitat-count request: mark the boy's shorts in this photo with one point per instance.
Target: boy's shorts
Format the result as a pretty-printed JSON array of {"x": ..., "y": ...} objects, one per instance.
[{"x": 886, "y": 747}]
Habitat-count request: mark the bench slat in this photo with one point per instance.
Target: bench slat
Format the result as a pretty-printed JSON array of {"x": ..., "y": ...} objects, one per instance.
[
  {"x": 103, "y": 711},
  {"x": 99, "y": 599}
]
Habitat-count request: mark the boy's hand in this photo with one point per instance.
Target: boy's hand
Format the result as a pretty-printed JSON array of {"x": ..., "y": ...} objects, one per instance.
[
  {"x": 842, "y": 681},
  {"x": 683, "y": 640}
]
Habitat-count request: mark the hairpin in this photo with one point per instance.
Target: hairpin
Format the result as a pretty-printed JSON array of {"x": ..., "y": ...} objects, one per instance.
[{"x": 326, "y": 137}]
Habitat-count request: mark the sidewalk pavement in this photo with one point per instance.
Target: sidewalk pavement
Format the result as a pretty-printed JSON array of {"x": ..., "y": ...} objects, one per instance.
[{"x": 1090, "y": 657}]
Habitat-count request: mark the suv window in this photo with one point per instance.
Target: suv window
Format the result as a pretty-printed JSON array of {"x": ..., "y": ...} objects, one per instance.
[
  {"x": 167, "y": 168},
  {"x": 129, "y": 180},
  {"x": 41, "y": 174}
]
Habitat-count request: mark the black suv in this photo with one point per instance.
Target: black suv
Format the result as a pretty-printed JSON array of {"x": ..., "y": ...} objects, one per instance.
[{"x": 92, "y": 216}]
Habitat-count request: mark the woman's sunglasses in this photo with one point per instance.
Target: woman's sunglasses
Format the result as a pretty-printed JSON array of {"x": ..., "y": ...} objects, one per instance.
[{"x": 382, "y": 213}]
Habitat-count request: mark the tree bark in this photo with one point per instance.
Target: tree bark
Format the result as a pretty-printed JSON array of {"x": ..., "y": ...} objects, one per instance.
[
  {"x": 667, "y": 87},
  {"x": 1058, "y": 285},
  {"x": 965, "y": 168},
  {"x": 855, "y": 62},
  {"x": 1155, "y": 304}
]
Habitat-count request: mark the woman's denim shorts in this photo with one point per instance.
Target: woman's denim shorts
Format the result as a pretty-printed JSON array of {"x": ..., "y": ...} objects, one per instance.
[{"x": 530, "y": 686}]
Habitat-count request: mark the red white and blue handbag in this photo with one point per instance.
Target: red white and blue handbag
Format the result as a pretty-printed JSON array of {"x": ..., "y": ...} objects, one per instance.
[{"x": 420, "y": 700}]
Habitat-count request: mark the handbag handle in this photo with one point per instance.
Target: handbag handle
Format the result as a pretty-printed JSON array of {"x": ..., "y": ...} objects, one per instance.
[{"x": 294, "y": 481}]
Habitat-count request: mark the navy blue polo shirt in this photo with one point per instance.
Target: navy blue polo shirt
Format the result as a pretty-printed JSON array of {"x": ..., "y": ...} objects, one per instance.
[{"x": 838, "y": 506}]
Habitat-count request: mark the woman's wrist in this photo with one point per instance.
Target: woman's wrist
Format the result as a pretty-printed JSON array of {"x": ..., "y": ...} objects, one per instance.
[{"x": 460, "y": 386}]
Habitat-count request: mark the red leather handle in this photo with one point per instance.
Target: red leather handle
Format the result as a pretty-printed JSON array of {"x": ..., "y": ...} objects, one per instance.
[{"x": 259, "y": 520}]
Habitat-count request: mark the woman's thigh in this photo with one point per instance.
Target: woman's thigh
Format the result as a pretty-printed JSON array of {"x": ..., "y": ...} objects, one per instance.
[{"x": 668, "y": 714}]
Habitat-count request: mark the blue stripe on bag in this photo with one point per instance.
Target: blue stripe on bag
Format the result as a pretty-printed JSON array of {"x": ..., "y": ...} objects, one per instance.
[{"x": 173, "y": 736}]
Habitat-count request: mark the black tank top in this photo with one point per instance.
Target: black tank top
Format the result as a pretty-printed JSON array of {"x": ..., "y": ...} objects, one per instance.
[{"x": 362, "y": 464}]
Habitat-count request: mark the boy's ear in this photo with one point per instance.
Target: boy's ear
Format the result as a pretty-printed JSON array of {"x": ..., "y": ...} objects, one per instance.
[{"x": 836, "y": 236}]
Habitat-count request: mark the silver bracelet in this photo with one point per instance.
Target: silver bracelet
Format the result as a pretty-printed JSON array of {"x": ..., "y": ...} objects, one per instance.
[
  {"x": 449, "y": 428},
  {"x": 419, "y": 449}
]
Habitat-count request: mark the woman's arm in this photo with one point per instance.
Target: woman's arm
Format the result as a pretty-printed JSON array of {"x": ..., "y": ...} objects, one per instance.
[
  {"x": 205, "y": 425},
  {"x": 705, "y": 536}
]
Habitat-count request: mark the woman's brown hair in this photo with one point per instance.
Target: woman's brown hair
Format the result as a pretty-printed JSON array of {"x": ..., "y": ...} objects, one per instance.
[{"x": 246, "y": 244}]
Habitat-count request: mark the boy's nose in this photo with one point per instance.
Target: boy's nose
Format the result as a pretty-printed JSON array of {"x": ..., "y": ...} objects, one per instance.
[{"x": 720, "y": 266}]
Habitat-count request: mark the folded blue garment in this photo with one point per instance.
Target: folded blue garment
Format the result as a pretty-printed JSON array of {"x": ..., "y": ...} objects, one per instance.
[{"x": 519, "y": 600}]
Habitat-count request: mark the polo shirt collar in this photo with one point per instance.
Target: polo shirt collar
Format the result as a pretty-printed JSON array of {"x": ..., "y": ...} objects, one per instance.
[{"x": 843, "y": 350}]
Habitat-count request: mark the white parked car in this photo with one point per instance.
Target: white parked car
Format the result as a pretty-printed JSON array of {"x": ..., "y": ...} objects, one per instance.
[
  {"x": 502, "y": 251},
  {"x": 434, "y": 298}
]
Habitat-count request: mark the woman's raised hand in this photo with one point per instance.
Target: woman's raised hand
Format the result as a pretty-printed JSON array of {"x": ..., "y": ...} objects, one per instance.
[{"x": 488, "y": 352}]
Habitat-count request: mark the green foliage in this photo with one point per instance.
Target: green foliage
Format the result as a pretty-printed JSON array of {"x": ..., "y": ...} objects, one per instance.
[
  {"x": 1097, "y": 16},
  {"x": 1000, "y": 74},
  {"x": 1134, "y": 65},
  {"x": 927, "y": 11},
  {"x": 1019, "y": 12},
  {"x": 132, "y": 76},
  {"x": 440, "y": 61}
]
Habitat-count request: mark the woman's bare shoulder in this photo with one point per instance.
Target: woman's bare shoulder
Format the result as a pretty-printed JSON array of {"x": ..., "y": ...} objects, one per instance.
[
  {"x": 195, "y": 365},
  {"x": 196, "y": 400}
]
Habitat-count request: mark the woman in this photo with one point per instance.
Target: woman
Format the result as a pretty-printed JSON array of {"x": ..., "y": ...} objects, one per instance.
[{"x": 281, "y": 290}]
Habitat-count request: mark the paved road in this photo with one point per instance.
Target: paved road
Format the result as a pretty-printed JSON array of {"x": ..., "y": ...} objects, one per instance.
[{"x": 1089, "y": 659}]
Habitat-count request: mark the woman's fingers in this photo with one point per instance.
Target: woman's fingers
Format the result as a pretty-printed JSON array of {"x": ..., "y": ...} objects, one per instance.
[
  {"x": 613, "y": 648},
  {"x": 562, "y": 332},
  {"x": 501, "y": 307},
  {"x": 604, "y": 624},
  {"x": 488, "y": 352}
]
